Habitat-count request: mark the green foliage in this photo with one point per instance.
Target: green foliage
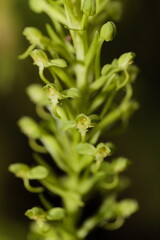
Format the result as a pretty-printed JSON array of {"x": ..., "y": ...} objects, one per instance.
[{"x": 78, "y": 103}]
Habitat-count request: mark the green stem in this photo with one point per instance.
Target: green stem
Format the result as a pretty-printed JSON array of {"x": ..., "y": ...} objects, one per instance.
[
  {"x": 42, "y": 76},
  {"x": 30, "y": 188},
  {"x": 80, "y": 69},
  {"x": 98, "y": 59}
]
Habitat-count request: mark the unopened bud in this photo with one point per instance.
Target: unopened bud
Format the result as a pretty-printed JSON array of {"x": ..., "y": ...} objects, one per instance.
[
  {"x": 29, "y": 127},
  {"x": 127, "y": 207},
  {"x": 83, "y": 122},
  {"x": 37, "y": 5},
  {"x": 33, "y": 35},
  {"x": 108, "y": 31},
  {"x": 89, "y": 7},
  {"x": 39, "y": 172},
  {"x": 37, "y": 95},
  {"x": 55, "y": 214}
]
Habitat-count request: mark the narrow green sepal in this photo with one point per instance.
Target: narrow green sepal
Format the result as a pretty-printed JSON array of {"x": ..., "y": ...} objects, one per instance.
[
  {"x": 68, "y": 125},
  {"x": 55, "y": 214},
  {"x": 38, "y": 173},
  {"x": 86, "y": 149},
  {"x": 61, "y": 63},
  {"x": 72, "y": 93}
]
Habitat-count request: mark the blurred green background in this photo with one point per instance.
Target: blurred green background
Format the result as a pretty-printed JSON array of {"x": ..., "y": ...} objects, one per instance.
[{"x": 138, "y": 31}]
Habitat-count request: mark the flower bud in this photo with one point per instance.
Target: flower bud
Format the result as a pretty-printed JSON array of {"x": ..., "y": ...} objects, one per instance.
[
  {"x": 89, "y": 7},
  {"x": 61, "y": 63},
  {"x": 29, "y": 127},
  {"x": 55, "y": 214},
  {"x": 125, "y": 60},
  {"x": 128, "y": 109},
  {"x": 38, "y": 173},
  {"x": 127, "y": 207},
  {"x": 108, "y": 31},
  {"x": 120, "y": 164},
  {"x": 33, "y": 35},
  {"x": 37, "y": 5},
  {"x": 37, "y": 95}
]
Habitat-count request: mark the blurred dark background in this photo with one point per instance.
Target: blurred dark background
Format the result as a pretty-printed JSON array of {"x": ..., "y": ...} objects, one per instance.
[{"x": 138, "y": 31}]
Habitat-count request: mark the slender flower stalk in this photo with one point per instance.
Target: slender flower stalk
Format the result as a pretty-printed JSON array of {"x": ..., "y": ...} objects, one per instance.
[{"x": 77, "y": 103}]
